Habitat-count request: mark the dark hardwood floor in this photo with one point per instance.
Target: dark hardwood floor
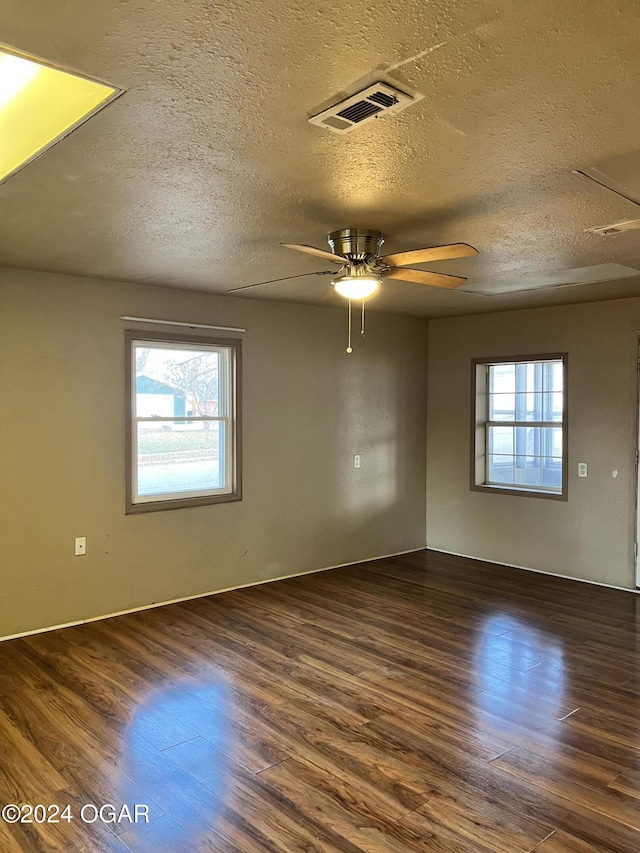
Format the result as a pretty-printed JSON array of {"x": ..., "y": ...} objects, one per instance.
[{"x": 420, "y": 703}]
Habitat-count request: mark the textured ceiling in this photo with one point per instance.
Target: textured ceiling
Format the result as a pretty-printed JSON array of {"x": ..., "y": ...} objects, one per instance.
[{"x": 193, "y": 176}]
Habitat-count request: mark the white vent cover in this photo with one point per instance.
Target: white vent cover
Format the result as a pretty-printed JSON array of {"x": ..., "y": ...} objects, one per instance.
[
  {"x": 375, "y": 101},
  {"x": 616, "y": 228}
]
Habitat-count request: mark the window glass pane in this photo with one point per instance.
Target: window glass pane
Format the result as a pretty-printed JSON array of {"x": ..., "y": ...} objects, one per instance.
[
  {"x": 501, "y": 440},
  {"x": 502, "y": 378},
  {"x": 552, "y": 441},
  {"x": 502, "y": 407},
  {"x": 175, "y": 381},
  {"x": 554, "y": 377},
  {"x": 501, "y": 469},
  {"x": 528, "y": 407},
  {"x": 552, "y": 473},
  {"x": 527, "y": 441},
  {"x": 180, "y": 456},
  {"x": 527, "y": 470},
  {"x": 553, "y": 406},
  {"x": 528, "y": 377}
]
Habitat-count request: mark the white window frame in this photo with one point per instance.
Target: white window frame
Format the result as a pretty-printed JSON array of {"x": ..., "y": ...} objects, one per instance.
[
  {"x": 230, "y": 352},
  {"x": 480, "y": 423}
]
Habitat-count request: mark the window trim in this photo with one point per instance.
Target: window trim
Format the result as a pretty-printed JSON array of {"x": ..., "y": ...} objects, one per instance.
[
  {"x": 479, "y": 423},
  {"x": 235, "y": 417}
]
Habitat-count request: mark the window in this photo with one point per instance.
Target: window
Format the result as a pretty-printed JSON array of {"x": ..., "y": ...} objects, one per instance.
[
  {"x": 519, "y": 425},
  {"x": 183, "y": 423}
]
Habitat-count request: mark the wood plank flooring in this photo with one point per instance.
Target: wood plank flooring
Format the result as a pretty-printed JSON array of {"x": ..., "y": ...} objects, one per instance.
[{"x": 420, "y": 703}]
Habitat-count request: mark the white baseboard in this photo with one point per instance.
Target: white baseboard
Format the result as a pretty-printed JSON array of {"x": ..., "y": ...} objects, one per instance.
[
  {"x": 537, "y": 571},
  {"x": 200, "y": 595}
]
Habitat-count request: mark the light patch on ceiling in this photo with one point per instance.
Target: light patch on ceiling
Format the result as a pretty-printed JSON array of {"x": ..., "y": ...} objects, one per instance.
[
  {"x": 39, "y": 105},
  {"x": 420, "y": 55},
  {"x": 561, "y": 278}
]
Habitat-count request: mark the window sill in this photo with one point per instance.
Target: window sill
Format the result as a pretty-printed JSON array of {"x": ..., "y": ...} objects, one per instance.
[
  {"x": 522, "y": 492},
  {"x": 181, "y": 503}
]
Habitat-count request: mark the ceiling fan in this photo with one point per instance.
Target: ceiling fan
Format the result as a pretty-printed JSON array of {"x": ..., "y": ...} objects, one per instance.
[{"x": 362, "y": 268}]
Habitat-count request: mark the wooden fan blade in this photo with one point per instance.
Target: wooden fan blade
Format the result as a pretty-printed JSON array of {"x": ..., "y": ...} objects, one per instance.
[
  {"x": 274, "y": 280},
  {"x": 435, "y": 279},
  {"x": 425, "y": 256},
  {"x": 318, "y": 253}
]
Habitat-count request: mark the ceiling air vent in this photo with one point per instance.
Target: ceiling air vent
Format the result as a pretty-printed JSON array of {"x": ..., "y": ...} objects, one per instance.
[{"x": 374, "y": 101}]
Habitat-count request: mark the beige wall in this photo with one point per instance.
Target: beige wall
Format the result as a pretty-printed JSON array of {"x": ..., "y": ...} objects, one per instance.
[
  {"x": 308, "y": 407},
  {"x": 591, "y": 535}
]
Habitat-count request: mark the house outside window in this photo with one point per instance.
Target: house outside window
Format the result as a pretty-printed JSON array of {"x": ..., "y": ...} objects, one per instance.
[
  {"x": 183, "y": 421},
  {"x": 519, "y": 425}
]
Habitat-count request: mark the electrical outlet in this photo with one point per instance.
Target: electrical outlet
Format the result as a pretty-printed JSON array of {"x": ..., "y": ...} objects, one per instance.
[
  {"x": 81, "y": 546},
  {"x": 582, "y": 469},
  {"x": 356, "y": 460}
]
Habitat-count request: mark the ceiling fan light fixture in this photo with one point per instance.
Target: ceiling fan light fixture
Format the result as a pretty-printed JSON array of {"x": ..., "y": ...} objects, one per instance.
[{"x": 354, "y": 286}]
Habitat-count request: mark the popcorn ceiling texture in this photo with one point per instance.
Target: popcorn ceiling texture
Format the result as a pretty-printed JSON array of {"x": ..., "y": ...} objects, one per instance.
[{"x": 194, "y": 175}]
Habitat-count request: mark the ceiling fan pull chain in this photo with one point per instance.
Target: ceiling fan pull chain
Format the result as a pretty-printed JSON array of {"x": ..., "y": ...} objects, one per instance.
[
  {"x": 349, "y": 343},
  {"x": 362, "y": 321}
]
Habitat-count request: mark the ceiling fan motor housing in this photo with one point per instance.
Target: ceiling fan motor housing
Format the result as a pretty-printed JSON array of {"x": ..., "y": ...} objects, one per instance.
[{"x": 358, "y": 245}]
